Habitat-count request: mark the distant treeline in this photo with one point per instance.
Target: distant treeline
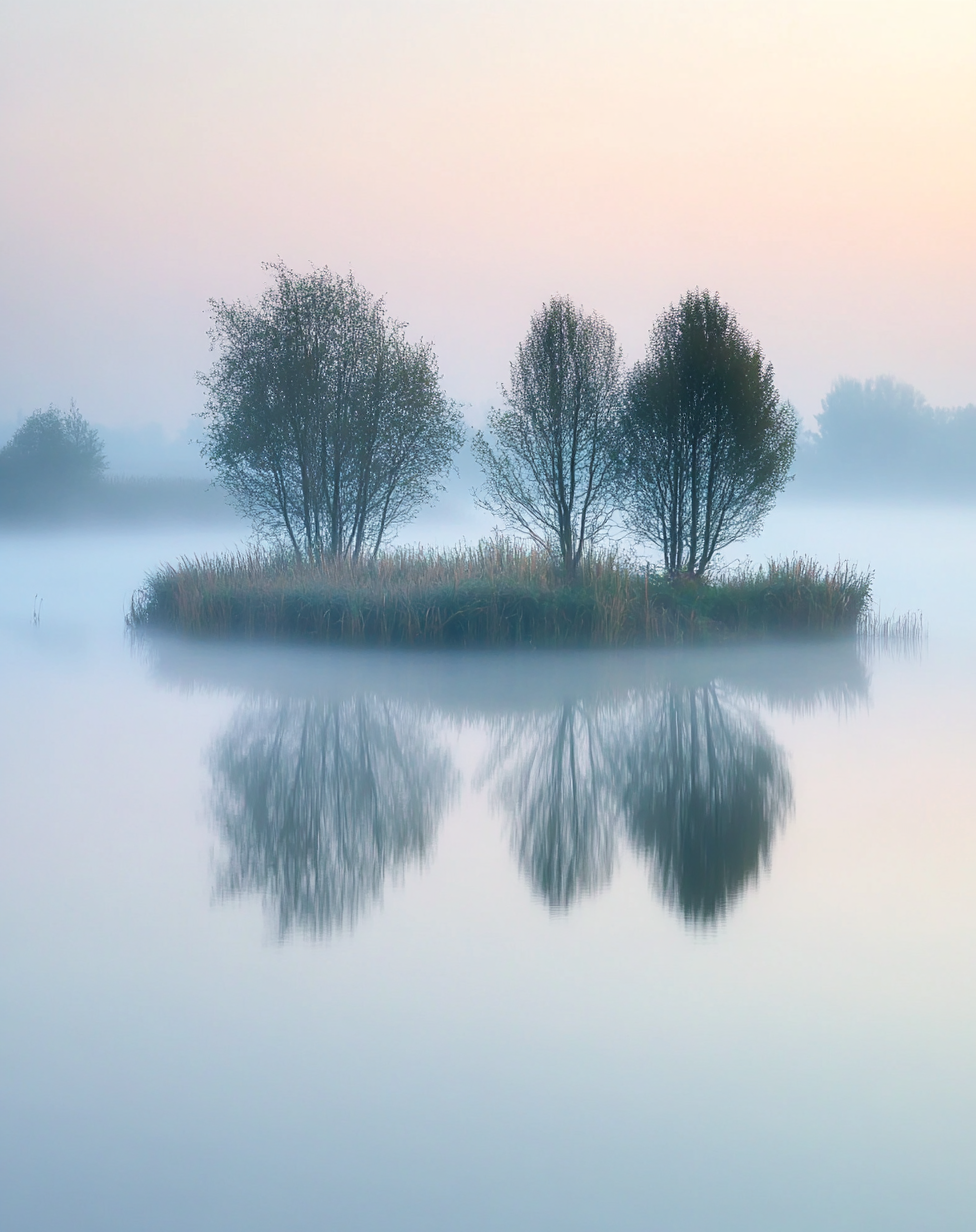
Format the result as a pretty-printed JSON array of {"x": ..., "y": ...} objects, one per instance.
[
  {"x": 53, "y": 470},
  {"x": 881, "y": 438}
]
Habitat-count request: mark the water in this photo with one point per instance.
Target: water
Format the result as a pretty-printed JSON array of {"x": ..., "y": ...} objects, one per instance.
[{"x": 319, "y": 939}]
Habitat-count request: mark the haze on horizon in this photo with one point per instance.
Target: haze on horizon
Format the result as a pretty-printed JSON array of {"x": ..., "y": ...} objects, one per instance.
[{"x": 811, "y": 163}]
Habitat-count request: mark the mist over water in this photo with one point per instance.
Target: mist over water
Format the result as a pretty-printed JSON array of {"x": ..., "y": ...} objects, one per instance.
[
  {"x": 304, "y": 937},
  {"x": 297, "y": 938}
]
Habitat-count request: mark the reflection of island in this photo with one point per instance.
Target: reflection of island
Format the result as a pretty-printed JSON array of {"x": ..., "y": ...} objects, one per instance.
[
  {"x": 319, "y": 804},
  {"x": 325, "y": 793},
  {"x": 702, "y": 790}
]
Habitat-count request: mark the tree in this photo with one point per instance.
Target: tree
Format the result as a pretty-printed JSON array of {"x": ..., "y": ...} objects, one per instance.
[
  {"x": 706, "y": 440},
  {"x": 52, "y": 456},
  {"x": 552, "y": 474},
  {"x": 325, "y": 424},
  {"x": 882, "y": 435}
]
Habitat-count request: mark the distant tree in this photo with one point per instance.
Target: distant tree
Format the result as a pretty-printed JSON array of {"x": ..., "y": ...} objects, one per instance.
[
  {"x": 882, "y": 436},
  {"x": 324, "y": 423},
  {"x": 552, "y": 472},
  {"x": 53, "y": 456},
  {"x": 706, "y": 440}
]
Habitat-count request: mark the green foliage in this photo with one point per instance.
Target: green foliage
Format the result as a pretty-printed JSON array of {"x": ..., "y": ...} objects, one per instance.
[
  {"x": 52, "y": 458},
  {"x": 706, "y": 441},
  {"x": 324, "y": 423},
  {"x": 552, "y": 473},
  {"x": 496, "y": 594}
]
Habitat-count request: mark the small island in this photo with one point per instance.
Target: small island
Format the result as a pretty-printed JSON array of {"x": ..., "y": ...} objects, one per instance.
[
  {"x": 499, "y": 593},
  {"x": 330, "y": 430}
]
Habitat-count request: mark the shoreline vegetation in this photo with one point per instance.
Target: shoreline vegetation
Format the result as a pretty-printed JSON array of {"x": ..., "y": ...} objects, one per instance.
[{"x": 497, "y": 593}]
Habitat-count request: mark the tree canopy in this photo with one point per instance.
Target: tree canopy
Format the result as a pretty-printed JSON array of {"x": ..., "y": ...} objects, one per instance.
[
  {"x": 551, "y": 473},
  {"x": 327, "y": 426},
  {"x": 52, "y": 456},
  {"x": 706, "y": 440}
]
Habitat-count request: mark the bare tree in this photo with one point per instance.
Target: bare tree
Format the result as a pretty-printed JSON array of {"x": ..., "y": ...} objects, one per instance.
[
  {"x": 326, "y": 425},
  {"x": 708, "y": 443},
  {"x": 551, "y": 475}
]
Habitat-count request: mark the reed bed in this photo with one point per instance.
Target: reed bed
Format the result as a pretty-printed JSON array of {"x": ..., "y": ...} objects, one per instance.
[{"x": 498, "y": 593}]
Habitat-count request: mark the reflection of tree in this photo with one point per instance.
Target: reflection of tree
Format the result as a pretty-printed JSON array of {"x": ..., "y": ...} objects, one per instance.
[
  {"x": 703, "y": 789},
  {"x": 319, "y": 803},
  {"x": 699, "y": 788},
  {"x": 550, "y": 775}
]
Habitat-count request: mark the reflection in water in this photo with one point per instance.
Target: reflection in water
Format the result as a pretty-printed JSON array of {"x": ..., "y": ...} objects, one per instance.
[
  {"x": 320, "y": 803},
  {"x": 325, "y": 794},
  {"x": 703, "y": 789},
  {"x": 550, "y": 774},
  {"x": 697, "y": 786}
]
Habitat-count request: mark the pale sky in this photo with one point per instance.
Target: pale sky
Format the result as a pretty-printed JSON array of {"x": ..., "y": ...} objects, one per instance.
[{"x": 812, "y": 163}]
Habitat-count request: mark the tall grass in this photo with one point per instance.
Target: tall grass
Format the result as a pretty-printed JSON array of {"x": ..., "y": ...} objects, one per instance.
[
  {"x": 905, "y": 635},
  {"x": 497, "y": 593}
]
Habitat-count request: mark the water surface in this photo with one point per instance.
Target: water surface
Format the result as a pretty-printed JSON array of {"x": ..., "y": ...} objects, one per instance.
[{"x": 303, "y": 938}]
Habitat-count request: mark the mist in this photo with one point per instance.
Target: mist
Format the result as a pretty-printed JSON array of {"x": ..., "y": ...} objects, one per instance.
[
  {"x": 881, "y": 439},
  {"x": 139, "y": 476},
  {"x": 290, "y": 871},
  {"x": 302, "y": 934}
]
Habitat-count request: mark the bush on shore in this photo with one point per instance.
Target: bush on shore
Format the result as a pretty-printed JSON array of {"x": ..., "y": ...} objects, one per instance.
[{"x": 498, "y": 593}]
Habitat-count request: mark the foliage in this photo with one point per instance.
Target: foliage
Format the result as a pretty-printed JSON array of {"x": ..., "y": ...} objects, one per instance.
[
  {"x": 324, "y": 423},
  {"x": 498, "y": 593},
  {"x": 53, "y": 456},
  {"x": 552, "y": 472},
  {"x": 707, "y": 443}
]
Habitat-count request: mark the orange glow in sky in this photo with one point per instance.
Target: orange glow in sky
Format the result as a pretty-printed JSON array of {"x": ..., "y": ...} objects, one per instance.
[{"x": 813, "y": 163}]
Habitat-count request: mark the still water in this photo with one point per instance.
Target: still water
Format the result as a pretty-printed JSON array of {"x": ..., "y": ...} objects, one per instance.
[{"x": 316, "y": 939}]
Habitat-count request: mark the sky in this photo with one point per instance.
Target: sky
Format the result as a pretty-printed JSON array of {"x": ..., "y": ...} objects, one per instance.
[{"x": 812, "y": 163}]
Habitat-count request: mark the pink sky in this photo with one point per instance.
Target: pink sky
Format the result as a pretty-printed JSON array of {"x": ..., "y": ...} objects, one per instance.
[{"x": 813, "y": 163}]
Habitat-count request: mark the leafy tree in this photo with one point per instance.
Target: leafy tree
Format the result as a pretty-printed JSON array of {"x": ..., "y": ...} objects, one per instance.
[
  {"x": 552, "y": 475},
  {"x": 52, "y": 456},
  {"x": 706, "y": 440},
  {"x": 325, "y": 424}
]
